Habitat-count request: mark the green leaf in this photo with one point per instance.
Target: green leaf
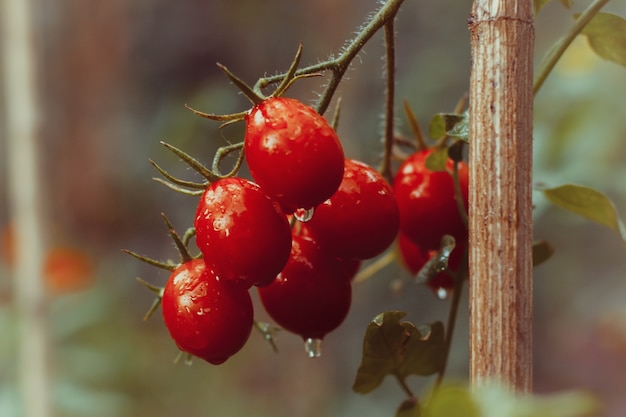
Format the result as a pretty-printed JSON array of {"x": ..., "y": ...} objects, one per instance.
[
  {"x": 542, "y": 251},
  {"x": 437, "y": 159},
  {"x": 496, "y": 401},
  {"x": 452, "y": 400},
  {"x": 606, "y": 34},
  {"x": 540, "y": 3},
  {"x": 394, "y": 347},
  {"x": 588, "y": 203},
  {"x": 460, "y": 130},
  {"x": 455, "y": 125},
  {"x": 493, "y": 400}
]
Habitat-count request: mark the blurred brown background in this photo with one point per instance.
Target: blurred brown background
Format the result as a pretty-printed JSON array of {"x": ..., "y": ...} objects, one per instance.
[{"x": 114, "y": 77}]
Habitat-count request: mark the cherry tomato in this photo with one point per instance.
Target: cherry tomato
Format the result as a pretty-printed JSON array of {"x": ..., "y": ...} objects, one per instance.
[
  {"x": 414, "y": 258},
  {"x": 427, "y": 201},
  {"x": 242, "y": 234},
  {"x": 292, "y": 153},
  {"x": 207, "y": 317},
  {"x": 361, "y": 219},
  {"x": 312, "y": 294}
]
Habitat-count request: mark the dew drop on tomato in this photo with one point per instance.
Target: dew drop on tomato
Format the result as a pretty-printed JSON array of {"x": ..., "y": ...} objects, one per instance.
[
  {"x": 442, "y": 293},
  {"x": 304, "y": 215},
  {"x": 313, "y": 347}
]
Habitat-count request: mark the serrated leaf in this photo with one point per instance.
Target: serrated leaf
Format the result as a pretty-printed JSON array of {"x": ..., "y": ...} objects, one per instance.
[
  {"x": 587, "y": 202},
  {"x": 395, "y": 347},
  {"x": 542, "y": 251},
  {"x": 606, "y": 34},
  {"x": 437, "y": 159}
]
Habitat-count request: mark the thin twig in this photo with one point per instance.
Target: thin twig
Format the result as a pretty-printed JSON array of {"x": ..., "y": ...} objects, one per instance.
[
  {"x": 339, "y": 65},
  {"x": 562, "y": 44},
  {"x": 390, "y": 89}
]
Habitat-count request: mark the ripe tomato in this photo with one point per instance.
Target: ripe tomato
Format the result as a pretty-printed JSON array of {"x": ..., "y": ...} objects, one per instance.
[
  {"x": 292, "y": 153},
  {"x": 361, "y": 219},
  {"x": 312, "y": 294},
  {"x": 427, "y": 201},
  {"x": 242, "y": 234},
  {"x": 207, "y": 317},
  {"x": 414, "y": 258}
]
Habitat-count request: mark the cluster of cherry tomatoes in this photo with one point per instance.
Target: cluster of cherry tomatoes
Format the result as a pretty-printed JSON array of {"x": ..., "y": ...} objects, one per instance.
[{"x": 298, "y": 232}]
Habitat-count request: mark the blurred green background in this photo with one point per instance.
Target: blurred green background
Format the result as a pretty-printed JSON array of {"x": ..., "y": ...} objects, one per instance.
[{"x": 114, "y": 76}]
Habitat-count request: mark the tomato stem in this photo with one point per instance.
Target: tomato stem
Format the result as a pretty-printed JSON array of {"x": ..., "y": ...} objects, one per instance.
[
  {"x": 193, "y": 163},
  {"x": 159, "y": 264},
  {"x": 404, "y": 386},
  {"x": 339, "y": 65},
  {"x": 459, "y": 280},
  {"x": 222, "y": 153},
  {"x": 458, "y": 193},
  {"x": 420, "y": 142},
  {"x": 390, "y": 54},
  {"x": 180, "y": 245},
  {"x": 177, "y": 181},
  {"x": 556, "y": 51}
]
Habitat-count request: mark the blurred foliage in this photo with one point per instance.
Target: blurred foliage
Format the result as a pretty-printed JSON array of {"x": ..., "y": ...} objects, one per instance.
[{"x": 115, "y": 76}]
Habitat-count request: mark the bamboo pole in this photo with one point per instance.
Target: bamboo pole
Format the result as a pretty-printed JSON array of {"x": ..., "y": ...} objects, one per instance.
[
  {"x": 21, "y": 104},
  {"x": 500, "y": 206}
]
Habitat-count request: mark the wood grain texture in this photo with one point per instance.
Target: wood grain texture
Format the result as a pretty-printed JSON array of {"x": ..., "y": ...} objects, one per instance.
[{"x": 500, "y": 204}]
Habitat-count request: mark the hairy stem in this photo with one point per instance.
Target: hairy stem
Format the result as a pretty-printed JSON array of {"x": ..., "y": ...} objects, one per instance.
[
  {"x": 339, "y": 65},
  {"x": 390, "y": 49},
  {"x": 559, "y": 48}
]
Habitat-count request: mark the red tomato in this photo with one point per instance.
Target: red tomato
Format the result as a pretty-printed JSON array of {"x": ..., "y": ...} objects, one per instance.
[
  {"x": 361, "y": 219},
  {"x": 207, "y": 317},
  {"x": 242, "y": 234},
  {"x": 427, "y": 201},
  {"x": 293, "y": 153},
  {"x": 414, "y": 258},
  {"x": 312, "y": 294}
]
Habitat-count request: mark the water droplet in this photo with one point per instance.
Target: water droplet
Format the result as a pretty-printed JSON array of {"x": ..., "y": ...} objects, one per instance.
[
  {"x": 304, "y": 215},
  {"x": 442, "y": 293},
  {"x": 313, "y": 347}
]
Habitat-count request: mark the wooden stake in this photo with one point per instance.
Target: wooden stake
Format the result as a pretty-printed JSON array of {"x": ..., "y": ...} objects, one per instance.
[
  {"x": 500, "y": 206},
  {"x": 22, "y": 114}
]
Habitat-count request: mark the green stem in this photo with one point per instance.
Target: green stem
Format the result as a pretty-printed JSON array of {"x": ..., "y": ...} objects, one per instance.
[
  {"x": 405, "y": 387},
  {"x": 390, "y": 55},
  {"x": 458, "y": 193},
  {"x": 459, "y": 279},
  {"x": 557, "y": 50},
  {"x": 339, "y": 65}
]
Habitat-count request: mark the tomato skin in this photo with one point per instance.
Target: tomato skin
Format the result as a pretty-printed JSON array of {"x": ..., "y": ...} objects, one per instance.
[
  {"x": 414, "y": 258},
  {"x": 292, "y": 153},
  {"x": 312, "y": 295},
  {"x": 361, "y": 219},
  {"x": 427, "y": 201},
  {"x": 207, "y": 317},
  {"x": 243, "y": 235}
]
